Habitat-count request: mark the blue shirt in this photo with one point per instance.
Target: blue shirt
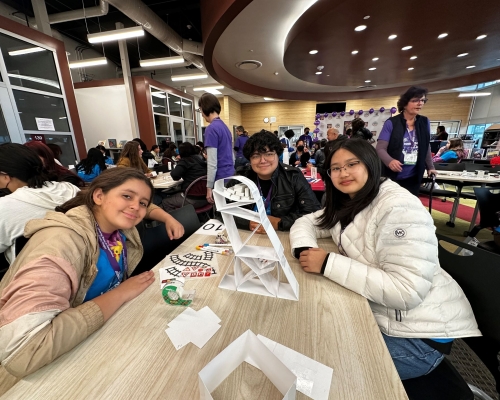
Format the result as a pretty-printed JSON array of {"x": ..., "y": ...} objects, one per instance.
[
  {"x": 89, "y": 177},
  {"x": 448, "y": 155},
  {"x": 106, "y": 278},
  {"x": 217, "y": 135},
  {"x": 307, "y": 140}
]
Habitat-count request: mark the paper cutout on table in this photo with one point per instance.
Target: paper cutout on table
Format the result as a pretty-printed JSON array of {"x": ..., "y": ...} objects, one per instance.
[
  {"x": 265, "y": 264},
  {"x": 192, "y": 326},
  {"x": 212, "y": 227},
  {"x": 250, "y": 349},
  {"x": 194, "y": 265},
  {"x": 313, "y": 378}
]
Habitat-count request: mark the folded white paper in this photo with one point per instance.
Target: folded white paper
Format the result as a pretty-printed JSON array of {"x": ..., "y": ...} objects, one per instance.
[{"x": 250, "y": 349}]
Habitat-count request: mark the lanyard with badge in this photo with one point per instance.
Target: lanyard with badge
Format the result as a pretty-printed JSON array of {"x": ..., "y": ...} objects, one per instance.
[
  {"x": 410, "y": 155},
  {"x": 103, "y": 244},
  {"x": 267, "y": 199}
]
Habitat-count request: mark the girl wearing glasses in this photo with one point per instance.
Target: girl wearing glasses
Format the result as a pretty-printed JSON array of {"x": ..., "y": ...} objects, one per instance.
[
  {"x": 388, "y": 254},
  {"x": 403, "y": 144}
]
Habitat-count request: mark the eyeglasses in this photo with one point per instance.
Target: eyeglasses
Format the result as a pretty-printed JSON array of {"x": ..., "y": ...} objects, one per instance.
[
  {"x": 349, "y": 168},
  {"x": 419, "y": 100},
  {"x": 269, "y": 156}
]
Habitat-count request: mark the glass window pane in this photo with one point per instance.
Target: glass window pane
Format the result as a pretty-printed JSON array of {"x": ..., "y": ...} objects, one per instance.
[
  {"x": 174, "y": 105},
  {"x": 34, "y": 70},
  {"x": 191, "y": 140},
  {"x": 189, "y": 128},
  {"x": 4, "y": 132},
  {"x": 177, "y": 126},
  {"x": 65, "y": 142},
  {"x": 159, "y": 100},
  {"x": 187, "y": 108},
  {"x": 162, "y": 126},
  {"x": 32, "y": 105}
]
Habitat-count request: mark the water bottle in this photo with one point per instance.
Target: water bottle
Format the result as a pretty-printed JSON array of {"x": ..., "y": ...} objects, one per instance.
[{"x": 286, "y": 156}]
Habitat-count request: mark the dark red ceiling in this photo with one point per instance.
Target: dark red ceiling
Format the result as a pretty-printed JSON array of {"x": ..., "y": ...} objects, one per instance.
[{"x": 328, "y": 26}]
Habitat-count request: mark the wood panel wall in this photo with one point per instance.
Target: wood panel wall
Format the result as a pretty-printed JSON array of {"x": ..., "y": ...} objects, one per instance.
[{"x": 234, "y": 112}]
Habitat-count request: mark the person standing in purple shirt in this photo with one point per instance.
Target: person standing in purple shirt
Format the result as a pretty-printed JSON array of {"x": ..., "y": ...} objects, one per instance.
[
  {"x": 403, "y": 144},
  {"x": 218, "y": 143},
  {"x": 241, "y": 161},
  {"x": 306, "y": 138}
]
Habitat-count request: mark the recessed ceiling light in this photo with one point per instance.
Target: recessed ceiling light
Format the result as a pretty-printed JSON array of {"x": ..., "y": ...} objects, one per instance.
[
  {"x": 276, "y": 73},
  {"x": 481, "y": 37},
  {"x": 319, "y": 73},
  {"x": 474, "y": 94},
  {"x": 392, "y": 37},
  {"x": 411, "y": 69},
  {"x": 375, "y": 59},
  {"x": 360, "y": 28},
  {"x": 313, "y": 52},
  {"x": 413, "y": 57},
  {"x": 443, "y": 35},
  {"x": 463, "y": 54},
  {"x": 268, "y": 99},
  {"x": 407, "y": 48},
  {"x": 354, "y": 52},
  {"x": 328, "y": 75},
  {"x": 372, "y": 69},
  {"x": 366, "y": 17},
  {"x": 471, "y": 66},
  {"x": 368, "y": 81}
]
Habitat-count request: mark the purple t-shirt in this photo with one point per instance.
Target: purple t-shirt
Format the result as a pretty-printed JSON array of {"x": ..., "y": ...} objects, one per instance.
[
  {"x": 410, "y": 144},
  {"x": 240, "y": 142},
  {"x": 217, "y": 135}
]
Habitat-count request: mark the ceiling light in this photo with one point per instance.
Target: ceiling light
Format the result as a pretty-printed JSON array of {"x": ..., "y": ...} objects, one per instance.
[
  {"x": 276, "y": 73},
  {"x": 213, "y": 91},
  {"x": 160, "y": 95},
  {"x": 406, "y": 48},
  {"x": 313, "y": 52},
  {"x": 184, "y": 104},
  {"x": 360, "y": 28},
  {"x": 213, "y": 87},
  {"x": 411, "y": 69},
  {"x": 117, "y": 34},
  {"x": 375, "y": 59},
  {"x": 319, "y": 73},
  {"x": 161, "y": 61},
  {"x": 481, "y": 37},
  {"x": 368, "y": 81},
  {"x": 91, "y": 62},
  {"x": 43, "y": 81},
  {"x": 463, "y": 54},
  {"x": 63, "y": 117},
  {"x": 268, "y": 99},
  {"x": 354, "y": 52},
  {"x": 413, "y": 57},
  {"x": 176, "y": 78},
  {"x": 471, "y": 66},
  {"x": 392, "y": 37},
  {"x": 443, "y": 35},
  {"x": 25, "y": 51},
  {"x": 366, "y": 17},
  {"x": 474, "y": 94},
  {"x": 372, "y": 69}
]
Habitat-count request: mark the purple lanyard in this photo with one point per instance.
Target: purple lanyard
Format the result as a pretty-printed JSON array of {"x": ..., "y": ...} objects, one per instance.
[
  {"x": 103, "y": 244},
  {"x": 267, "y": 200},
  {"x": 411, "y": 139}
]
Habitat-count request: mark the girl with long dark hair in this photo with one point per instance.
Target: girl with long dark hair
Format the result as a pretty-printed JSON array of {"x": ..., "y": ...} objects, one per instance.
[
  {"x": 132, "y": 157},
  {"x": 387, "y": 252},
  {"x": 92, "y": 166}
]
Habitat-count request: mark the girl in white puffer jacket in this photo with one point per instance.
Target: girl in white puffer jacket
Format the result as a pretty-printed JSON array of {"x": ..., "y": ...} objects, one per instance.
[{"x": 388, "y": 254}]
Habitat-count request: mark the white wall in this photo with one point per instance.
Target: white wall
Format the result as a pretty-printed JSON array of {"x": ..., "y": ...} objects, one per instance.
[
  {"x": 103, "y": 114},
  {"x": 487, "y": 109}
]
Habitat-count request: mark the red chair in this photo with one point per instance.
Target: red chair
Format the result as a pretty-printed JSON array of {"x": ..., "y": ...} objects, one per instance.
[{"x": 199, "y": 188}]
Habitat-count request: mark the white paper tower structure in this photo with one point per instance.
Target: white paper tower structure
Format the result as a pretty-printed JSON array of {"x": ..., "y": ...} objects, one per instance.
[{"x": 261, "y": 260}]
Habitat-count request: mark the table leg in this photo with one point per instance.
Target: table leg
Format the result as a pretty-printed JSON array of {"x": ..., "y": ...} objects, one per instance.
[
  {"x": 454, "y": 210},
  {"x": 474, "y": 215}
]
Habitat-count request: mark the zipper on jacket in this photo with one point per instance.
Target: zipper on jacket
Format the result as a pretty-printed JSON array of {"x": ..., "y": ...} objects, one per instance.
[{"x": 398, "y": 315}]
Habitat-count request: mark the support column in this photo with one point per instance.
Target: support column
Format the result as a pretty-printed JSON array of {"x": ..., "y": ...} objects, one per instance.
[
  {"x": 41, "y": 16},
  {"x": 127, "y": 79}
]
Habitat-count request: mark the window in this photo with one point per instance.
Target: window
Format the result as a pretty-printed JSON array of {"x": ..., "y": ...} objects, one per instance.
[{"x": 174, "y": 106}]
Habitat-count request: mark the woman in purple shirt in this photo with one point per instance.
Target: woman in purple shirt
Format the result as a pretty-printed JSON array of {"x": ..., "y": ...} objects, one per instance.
[
  {"x": 241, "y": 161},
  {"x": 218, "y": 143}
]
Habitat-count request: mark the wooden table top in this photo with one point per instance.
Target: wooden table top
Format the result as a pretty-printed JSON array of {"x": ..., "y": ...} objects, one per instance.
[{"x": 131, "y": 357}]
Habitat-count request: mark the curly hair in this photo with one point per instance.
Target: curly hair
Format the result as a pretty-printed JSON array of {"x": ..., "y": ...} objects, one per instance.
[
  {"x": 262, "y": 142},
  {"x": 411, "y": 93}
]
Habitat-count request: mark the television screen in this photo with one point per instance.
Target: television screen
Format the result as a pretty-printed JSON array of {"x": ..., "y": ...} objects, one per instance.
[{"x": 329, "y": 107}]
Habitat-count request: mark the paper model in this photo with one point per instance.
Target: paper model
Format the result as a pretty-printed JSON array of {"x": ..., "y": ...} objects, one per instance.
[
  {"x": 250, "y": 349},
  {"x": 265, "y": 264}
]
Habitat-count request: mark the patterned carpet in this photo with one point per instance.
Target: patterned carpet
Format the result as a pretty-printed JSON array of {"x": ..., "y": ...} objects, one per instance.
[{"x": 463, "y": 358}]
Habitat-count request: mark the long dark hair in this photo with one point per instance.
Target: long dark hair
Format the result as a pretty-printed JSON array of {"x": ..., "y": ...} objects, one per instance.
[
  {"x": 22, "y": 163},
  {"x": 106, "y": 181},
  {"x": 339, "y": 207},
  {"x": 94, "y": 157}
]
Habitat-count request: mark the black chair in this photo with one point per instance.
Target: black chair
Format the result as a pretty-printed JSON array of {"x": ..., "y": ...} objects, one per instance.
[
  {"x": 479, "y": 277},
  {"x": 199, "y": 188},
  {"x": 155, "y": 241}
]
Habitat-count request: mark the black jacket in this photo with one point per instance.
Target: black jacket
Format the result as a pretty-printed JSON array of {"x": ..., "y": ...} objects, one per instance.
[
  {"x": 189, "y": 169},
  {"x": 292, "y": 196},
  {"x": 395, "y": 147}
]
